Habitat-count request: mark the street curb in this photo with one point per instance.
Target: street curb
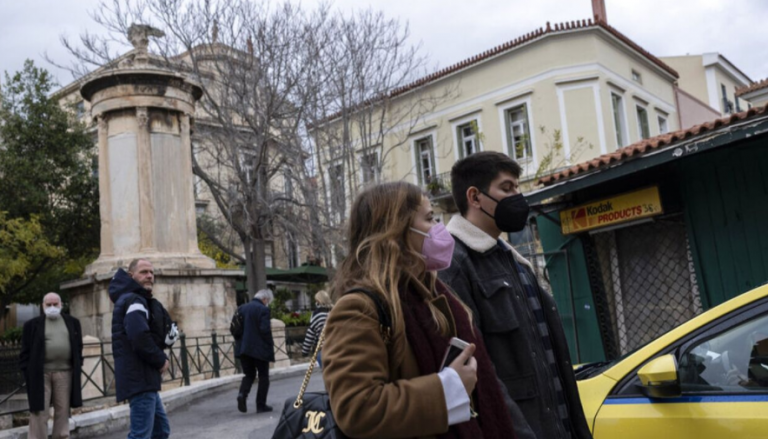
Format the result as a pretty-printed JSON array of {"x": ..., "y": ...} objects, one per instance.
[{"x": 101, "y": 422}]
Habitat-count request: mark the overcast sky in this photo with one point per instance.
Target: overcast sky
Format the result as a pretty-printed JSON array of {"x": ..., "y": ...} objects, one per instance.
[{"x": 451, "y": 30}]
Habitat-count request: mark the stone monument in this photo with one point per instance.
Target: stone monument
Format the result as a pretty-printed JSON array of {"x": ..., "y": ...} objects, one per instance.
[{"x": 144, "y": 111}]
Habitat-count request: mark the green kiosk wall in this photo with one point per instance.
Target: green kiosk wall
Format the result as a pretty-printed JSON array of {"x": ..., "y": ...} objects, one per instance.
[
  {"x": 576, "y": 297},
  {"x": 726, "y": 207}
]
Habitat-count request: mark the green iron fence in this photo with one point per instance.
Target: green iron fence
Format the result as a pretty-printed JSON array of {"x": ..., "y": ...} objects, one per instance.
[{"x": 191, "y": 359}]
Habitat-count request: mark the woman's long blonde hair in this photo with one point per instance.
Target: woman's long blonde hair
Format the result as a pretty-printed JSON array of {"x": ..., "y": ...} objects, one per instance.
[{"x": 380, "y": 257}]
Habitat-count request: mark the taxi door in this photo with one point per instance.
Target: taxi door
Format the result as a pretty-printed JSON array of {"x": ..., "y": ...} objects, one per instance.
[{"x": 723, "y": 375}]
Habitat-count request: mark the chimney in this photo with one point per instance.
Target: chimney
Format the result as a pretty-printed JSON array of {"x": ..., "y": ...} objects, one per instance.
[{"x": 598, "y": 10}]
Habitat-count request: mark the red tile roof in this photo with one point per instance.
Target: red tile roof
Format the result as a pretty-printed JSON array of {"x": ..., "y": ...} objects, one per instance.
[
  {"x": 647, "y": 145},
  {"x": 759, "y": 85},
  {"x": 509, "y": 45},
  {"x": 538, "y": 33}
]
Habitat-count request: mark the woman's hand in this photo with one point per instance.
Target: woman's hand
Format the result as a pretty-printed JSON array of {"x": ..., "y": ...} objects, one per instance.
[{"x": 467, "y": 372}]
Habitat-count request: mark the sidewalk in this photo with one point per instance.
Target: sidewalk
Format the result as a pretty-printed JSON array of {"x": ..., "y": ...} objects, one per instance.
[{"x": 101, "y": 422}]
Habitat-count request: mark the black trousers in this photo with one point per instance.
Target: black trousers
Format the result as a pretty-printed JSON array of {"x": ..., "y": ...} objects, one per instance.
[{"x": 250, "y": 367}]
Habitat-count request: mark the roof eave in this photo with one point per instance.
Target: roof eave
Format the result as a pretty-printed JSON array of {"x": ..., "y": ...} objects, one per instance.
[{"x": 696, "y": 144}]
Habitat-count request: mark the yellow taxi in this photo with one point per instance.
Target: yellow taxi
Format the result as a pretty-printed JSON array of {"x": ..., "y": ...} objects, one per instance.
[{"x": 707, "y": 378}]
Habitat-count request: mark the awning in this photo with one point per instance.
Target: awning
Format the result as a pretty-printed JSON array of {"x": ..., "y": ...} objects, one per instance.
[
  {"x": 653, "y": 152},
  {"x": 310, "y": 274}
]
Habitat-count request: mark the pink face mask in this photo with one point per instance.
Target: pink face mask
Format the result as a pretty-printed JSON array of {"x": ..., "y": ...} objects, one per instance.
[{"x": 438, "y": 247}]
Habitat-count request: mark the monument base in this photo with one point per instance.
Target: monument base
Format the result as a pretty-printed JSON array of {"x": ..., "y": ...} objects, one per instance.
[
  {"x": 163, "y": 261},
  {"x": 199, "y": 301}
]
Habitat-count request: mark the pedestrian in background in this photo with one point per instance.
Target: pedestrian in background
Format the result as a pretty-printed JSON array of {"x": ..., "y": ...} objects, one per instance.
[
  {"x": 256, "y": 350},
  {"x": 323, "y": 305},
  {"x": 51, "y": 361},
  {"x": 392, "y": 384},
  {"x": 139, "y": 358}
]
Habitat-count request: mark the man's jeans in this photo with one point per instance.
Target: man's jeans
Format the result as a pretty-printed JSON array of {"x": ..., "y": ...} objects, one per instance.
[{"x": 148, "y": 418}]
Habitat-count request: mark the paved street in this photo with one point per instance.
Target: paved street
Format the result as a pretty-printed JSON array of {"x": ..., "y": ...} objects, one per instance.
[{"x": 216, "y": 416}]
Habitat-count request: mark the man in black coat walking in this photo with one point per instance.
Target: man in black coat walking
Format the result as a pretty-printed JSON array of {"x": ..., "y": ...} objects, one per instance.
[
  {"x": 139, "y": 358},
  {"x": 51, "y": 360},
  {"x": 256, "y": 350}
]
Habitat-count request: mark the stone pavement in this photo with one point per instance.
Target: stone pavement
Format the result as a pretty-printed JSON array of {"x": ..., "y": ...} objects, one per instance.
[{"x": 216, "y": 415}]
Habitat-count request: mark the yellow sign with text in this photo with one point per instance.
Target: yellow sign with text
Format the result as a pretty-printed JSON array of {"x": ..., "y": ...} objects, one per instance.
[{"x": 628, "y": 207}]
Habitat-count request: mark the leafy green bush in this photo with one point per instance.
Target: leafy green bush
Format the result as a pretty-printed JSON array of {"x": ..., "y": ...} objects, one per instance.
[
  {"x": 296, "y": 319},
  {"x": 12, "y": 335}
]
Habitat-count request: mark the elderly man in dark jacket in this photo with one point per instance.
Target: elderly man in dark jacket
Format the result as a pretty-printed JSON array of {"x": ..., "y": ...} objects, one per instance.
[
  {"x": 51, "y": 360},
  {"x": 139, "y": 359},
  {"x": 256, "y": 350},
  {"x": 519, "y": 321}
]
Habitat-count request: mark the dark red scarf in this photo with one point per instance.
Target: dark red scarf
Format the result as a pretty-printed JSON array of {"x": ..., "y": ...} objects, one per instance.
[{"x": 493, "y": 421}]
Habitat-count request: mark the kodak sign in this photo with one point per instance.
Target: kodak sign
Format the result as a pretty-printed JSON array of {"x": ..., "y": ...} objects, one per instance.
[{"x": 623, "y": 208}]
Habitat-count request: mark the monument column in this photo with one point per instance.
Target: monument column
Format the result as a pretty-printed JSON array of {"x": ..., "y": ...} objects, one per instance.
[
  {"x": 144, "y": 108},
  {"x": 146, "y": 208},
  {"x": 105, "y": 201}
]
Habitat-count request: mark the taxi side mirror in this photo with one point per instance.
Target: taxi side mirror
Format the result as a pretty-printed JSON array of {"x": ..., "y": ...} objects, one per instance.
[{"x": 659, "y": 378}]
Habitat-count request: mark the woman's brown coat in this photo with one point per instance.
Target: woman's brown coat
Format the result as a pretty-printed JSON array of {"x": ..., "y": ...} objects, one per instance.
[{"x": 375, "y": 389}]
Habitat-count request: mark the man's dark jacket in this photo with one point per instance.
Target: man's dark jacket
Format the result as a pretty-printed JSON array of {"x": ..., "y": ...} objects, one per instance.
[
  {"x": 488, "y": 282},
  {"x": 257, "y": 332},
  {"x": 32, "y": 360},
  {"x": 138, "y": 358}
]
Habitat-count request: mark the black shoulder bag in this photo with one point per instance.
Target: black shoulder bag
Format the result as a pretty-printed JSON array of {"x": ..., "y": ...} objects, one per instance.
[
  {"x": 309, "y": 415},
  {"x": 237, "y": 325}
]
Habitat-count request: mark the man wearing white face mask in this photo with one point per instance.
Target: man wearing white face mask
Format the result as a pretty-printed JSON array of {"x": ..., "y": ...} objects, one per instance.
[{"x": 51, "y": 360}]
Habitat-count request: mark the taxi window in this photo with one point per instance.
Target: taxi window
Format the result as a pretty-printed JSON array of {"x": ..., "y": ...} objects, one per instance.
[{"x": 734, "y": 361}]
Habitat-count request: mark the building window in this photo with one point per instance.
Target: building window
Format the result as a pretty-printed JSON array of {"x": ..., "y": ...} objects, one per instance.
[
  {"x": 642, "y": 123},
  {"x": 637, "y": 77},
  {"x": 736, "y": 101},
  {"x": 727, "y": 106},
  {"x": 370, "y": 167},
  {"x": 288, "y": 183},
  {"x": 467, "y": 139},
  {"x": 663, "y": 127},
  {"x": 292, "y": 251},
  {"x": 518, "y": 133},
  {"x": 80, "y": 109},
  {"x": 425, "y": 159},
  {"x": 268, "y": 252},
  {"x": 617, "y": 103},
  {"x": 336, "y": 183}
]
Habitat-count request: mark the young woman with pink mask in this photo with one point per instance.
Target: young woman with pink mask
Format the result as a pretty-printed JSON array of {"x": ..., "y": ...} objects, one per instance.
[{"x": 386, "y": 379}]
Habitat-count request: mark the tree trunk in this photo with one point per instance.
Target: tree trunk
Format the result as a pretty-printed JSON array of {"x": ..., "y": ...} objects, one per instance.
[{"x": 250, "y": 268}]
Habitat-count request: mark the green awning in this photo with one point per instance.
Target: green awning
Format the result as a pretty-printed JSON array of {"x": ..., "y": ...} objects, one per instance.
[
  {"x": 306, "y": 274},
  {"x": 310, "y": 274}
]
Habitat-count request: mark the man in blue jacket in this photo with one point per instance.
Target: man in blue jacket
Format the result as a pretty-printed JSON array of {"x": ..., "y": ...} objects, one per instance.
[
  {"x": 256, "y": 350},
  {"x": 139, "y": 360}
]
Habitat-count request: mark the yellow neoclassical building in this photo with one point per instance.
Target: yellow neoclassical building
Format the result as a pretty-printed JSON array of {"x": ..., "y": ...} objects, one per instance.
[
  {"x": 562, "y": 94},
  {"x": 559, "y": 95}
]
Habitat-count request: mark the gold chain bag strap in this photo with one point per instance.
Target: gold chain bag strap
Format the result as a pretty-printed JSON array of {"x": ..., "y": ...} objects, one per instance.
[{"x": 309, "y": 415}]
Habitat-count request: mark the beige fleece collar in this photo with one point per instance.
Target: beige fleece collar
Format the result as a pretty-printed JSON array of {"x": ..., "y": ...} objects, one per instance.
[{"x": 479, "y": 241}]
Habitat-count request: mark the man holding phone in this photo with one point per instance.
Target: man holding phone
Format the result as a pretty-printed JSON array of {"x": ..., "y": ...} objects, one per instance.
[{"x": 519, "y": 321}]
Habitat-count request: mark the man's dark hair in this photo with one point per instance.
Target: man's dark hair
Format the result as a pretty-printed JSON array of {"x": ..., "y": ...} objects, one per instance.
[{"x": 479, "y": 170}]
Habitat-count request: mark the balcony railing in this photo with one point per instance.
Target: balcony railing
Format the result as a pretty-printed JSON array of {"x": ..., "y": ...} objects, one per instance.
[
  {"x": 439, "y": 189},
  {"x": 438, "y": 185}
]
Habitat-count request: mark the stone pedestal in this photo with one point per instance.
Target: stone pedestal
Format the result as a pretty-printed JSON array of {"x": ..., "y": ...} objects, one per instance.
[
  {"x": 278, "y": 335},
  {"x": 200, "y": 301}
]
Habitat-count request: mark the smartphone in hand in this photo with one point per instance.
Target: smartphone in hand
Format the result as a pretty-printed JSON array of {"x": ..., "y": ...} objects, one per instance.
[{"x": 455, "y": 347}]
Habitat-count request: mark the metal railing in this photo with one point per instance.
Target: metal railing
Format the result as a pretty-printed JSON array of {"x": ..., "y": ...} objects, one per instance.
[
  {"x": 191, "y": 359},
  {"x": 439, "y": 185}
]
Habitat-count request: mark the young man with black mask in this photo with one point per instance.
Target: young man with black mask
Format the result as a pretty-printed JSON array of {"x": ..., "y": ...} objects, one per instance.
[{"x": 519, "y": 321}]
